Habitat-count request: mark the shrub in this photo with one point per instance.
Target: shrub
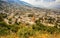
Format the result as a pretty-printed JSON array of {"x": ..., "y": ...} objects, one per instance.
[
  {"x": 13, "y": 28},
  {"x": 4, "y": 31},
  {"x": 4, "y": 28},
  {"x": 25, "y": 32},
  {"x": 39, "y": 27}
]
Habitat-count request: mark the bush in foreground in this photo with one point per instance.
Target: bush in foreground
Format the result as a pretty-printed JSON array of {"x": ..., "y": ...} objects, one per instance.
[{"x": 25, "y": 32}]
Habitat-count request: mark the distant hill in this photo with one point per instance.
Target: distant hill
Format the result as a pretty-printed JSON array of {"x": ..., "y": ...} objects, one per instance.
[
  {"x": 15, "y": 9},
  {"x": 18, "y": 2}
]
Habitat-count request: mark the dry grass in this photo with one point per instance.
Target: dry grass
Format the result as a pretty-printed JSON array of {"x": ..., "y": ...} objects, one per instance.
[
  {"x": 45, "y": 35},
  {"x": 37, "y": 35},
  {"x": 10, "y": 36}
]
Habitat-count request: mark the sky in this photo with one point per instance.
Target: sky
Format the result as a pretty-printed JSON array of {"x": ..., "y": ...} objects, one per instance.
[{"x": 44, "y": 3}]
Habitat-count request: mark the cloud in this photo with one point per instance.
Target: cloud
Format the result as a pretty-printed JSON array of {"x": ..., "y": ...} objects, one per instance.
[
  {"x": 44, "y": 3},
  {"x": 49, "y": 0}
]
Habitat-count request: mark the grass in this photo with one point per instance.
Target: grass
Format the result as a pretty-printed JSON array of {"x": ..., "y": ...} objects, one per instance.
[{"x": 28, "y": 31}]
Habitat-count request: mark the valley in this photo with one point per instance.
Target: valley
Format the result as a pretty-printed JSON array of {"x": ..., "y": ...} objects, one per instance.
[{"x": 25, "y": 21}]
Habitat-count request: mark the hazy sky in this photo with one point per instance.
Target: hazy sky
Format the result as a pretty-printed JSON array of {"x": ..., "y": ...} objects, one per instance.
[{"x": 44, "y": 3}]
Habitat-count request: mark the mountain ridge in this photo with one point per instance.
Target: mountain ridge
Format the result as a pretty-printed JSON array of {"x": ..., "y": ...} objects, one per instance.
[{"x": 18, "y": 2}]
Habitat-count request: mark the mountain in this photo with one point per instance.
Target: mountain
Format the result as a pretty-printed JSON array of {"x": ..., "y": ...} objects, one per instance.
[
  {"x": 14, "y": 4},
  {"x": 18, "y": 2},
  {"x": 15, "y": 11}
]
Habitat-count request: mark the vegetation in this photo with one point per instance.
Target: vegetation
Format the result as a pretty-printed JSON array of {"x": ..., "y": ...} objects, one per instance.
[
  {"x": 15, "y": 13},
  {"x": 24, "y": 31}
]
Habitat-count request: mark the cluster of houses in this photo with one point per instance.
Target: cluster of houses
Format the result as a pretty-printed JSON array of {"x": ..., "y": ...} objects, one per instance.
[
  {"x": 27, "y": 16},
  {"x": 47, "y": 18}
]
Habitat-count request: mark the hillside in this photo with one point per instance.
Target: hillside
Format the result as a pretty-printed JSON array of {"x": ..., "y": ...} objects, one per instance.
[{"x": 20, "y": 19}]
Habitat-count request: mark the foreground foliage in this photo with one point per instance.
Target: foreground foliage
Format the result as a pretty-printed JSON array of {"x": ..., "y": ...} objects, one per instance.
[{"x": 27, "y": 31}]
